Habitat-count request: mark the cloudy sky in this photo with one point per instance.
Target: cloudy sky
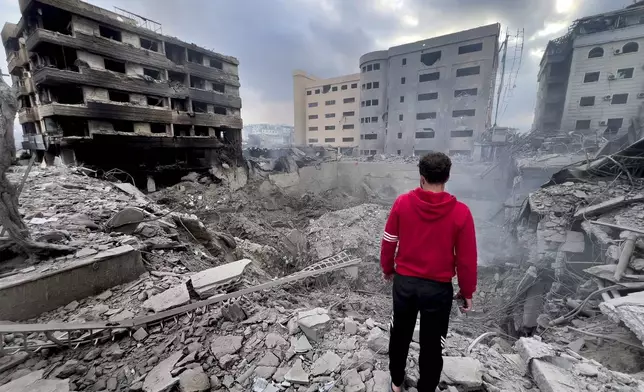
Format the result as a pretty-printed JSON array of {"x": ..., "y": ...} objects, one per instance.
[{"x": 326, "y": 37}]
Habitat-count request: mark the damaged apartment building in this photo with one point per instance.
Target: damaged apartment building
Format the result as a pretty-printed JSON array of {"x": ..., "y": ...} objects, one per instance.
[{"x": 110, "y": 90}]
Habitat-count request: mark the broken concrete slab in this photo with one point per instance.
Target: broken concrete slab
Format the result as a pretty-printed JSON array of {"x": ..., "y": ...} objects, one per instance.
[
  {"x": 171, "y": 298},
  {"x": 551, "y": 378},
  {"x": 225, "y": 345},
  {"x": 194, "y": 380},
  {"x": 608, "y": 205},
  {"x": 382, "y": 381},
  {"x": 126, "y": 221},
  {"x": 131, "y": 190},
  {"x": 159, "y": 379},
  {"x": 302, "y": 345},
  {"x": 575, "y": 242},
  {"x": 353, "y": 382},
  {"x": 629, "y": 310},
  {"x": 378, "y": 341},
  {"x": 463, "y": 372},
  {"x": 326, "y": 364},
  {"x": 350, "y": 326},
  {"x": 296, "y": 374},
  {"x": 33, "y": 382},
  {"x": 208, "y": 282},
  {"x": 313, "y": 322},
  {"x": 530, "y": 349}
]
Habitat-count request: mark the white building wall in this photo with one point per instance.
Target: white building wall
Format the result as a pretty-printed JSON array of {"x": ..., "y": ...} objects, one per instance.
[{"x": 609, "y": 41}]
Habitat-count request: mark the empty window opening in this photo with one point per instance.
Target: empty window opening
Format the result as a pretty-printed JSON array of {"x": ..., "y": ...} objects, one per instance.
[
  {"x": 354, "y": 85},
  {"x": 329, "y": 103},
  {"x": 180, "y": 105},
  {"x": 462, "y": 133},
  {"x": 429, "y": 77},
  {"x": 329, "y": 115},
  {"x": 427, "y": 96},
  {"x": 402, "y": 99},
  {"x": 376, "y": 66},
  {"x": 199, "y": 107},
  {"x": 107, "y": 32},
  {"x": 334, "y": 88},
  {"x": 362, "y": 120},
  {"x": 309, "y": 92},
  {"x": 347, "y": 139},
  {"x": 404, "y": 61},
  {"x": 399, "y": 135},
  {"x": 468, "y": 92},
  {"x": 195, "y": 57},
  {"x": 464, "y": 113},
  {"x": 313, "y": 104},
  {"x": 218, "y": 87},
  {"x": 425, "y": 135},
  {"x": 329, "y": 128},
  {"x": 401, "y": 117},
  {"x": 470, "y": 48},
  {"x": 158, "y": 128},
  {"x": 398, "y": 152},
  {"x": 329, "y": 140},
  {"x": 56, "y": 56},
  {"x": 25, "y": 102},
  {"x": 313, "y": 116},
  {"x": 56, "y": 19},
  {"x": 469, "y": 71},
  {"x": 118, "y": 96},
  {"x": 70, "y": 95},
  {"x": 582, "y": 124},
  {"x": 313, "y": 129},
  {"x": 177, "y": 77},
  {"x": 425, "y": 116},
  {"x": 402, "y": 80},
  {"x": 317, "y": 91},
  {"x": 619, "y": 99},
  {"x": 374, "y": 119},
  {"x": 591, "y": 77},
  {"x": 116, "y": 66},
  {"x": 175, "y": 53},
  {"x": 368, "y": 102},
  {"x": 155, "y": 101},
  {"x": 625, "y": 73},
  {"x": 631, "y": 47},
  {"x": 369, "y": 67},
  {"x": 348, "y": 126},
  {"x": 197, "y": 82},
  {"x": 69, "y": 126},
  {"x": 326, "y": 88},
  {"x": 220, "y": 110},
  {"x": 181, "y": 130},
  {"x": 376, "y": 84},
  {"x": 431, "y": 58},
  {"x": 371, "y": 136},
  {"x": 344, "y": 87},
  {"x": 349, "y": 100},
  {"x": 595, "y": 53},
  {"x": 201, "y": 130},
  {"x": 369, "y": 86},
  {"x": 153, "y": 73},
  {"x": 348, "y": 114},
  {"x": 123, "y": 126},
  {"x": 614, "y": 124},
  {"x": 149, "y": 44},
  {"x": 587, "y": 101},
  {"x": 214, "y": 63}
]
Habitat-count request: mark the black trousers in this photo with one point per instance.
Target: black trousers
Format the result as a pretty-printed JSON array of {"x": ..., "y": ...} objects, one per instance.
[{"x": 434, "y": 302}]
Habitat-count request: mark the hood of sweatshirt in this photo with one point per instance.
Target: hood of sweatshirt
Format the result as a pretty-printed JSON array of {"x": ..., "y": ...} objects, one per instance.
[{"x": 431, "y": 205}]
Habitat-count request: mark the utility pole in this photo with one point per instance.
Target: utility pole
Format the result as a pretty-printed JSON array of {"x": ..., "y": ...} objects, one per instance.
[{"x": 498, "y": 95}]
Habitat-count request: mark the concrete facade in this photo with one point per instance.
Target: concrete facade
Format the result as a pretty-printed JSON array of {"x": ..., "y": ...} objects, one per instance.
[
  {"x": 552, "y": 82},
  {"x": 326, "y": 110},
  {"x": 431, "y": 95}
]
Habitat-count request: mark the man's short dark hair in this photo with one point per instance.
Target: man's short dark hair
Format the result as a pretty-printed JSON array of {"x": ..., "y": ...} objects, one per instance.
[{"x": 435, "y": 167}]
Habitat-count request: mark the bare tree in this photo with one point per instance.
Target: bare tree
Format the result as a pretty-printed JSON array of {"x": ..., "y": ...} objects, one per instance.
[{"x": 10, "y": 219}]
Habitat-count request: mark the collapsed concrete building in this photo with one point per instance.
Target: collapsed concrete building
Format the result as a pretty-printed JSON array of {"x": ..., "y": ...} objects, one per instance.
[{"x": 94, "y": 85}]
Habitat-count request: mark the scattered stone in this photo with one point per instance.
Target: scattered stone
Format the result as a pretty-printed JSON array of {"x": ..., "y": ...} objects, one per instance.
[
  {"x": 326, "y": 364},
  {"x": 112, "y": 384},
  {"x": 194, "y": 380},
  {"x": 228, "y": 380},
  {"x": 136, "y": 387},
  {"x": 223, "y": 345},
  {"x": 302, "y": 345},
  {"x": 105, "y": 295},
  {"x": 171, "y": 298},
  {"x": 208, "y": 282},
  {"x": 33, "y": 382},
  {"x": 160, "y": 379},
  {"x": 126, "y": 221},
  {"x": 464, "y": 372},
  {"x": 274, "y": 340},
  {"x": 72, "y": 306},
  {"x": 93, "y": 354},
  {"x": 378, "y": 341},
  {"x": 313, "y": 322},
  {"x": 269, "y": 359},
  {"x": 352, "y": 382},
  {"x": 297, "y": 375},
  {"x": 140, "y": 334},
  {"x": 70, "y": 368},
  {"x": 370, "y": 323},
  {"x": 227, "y": 361},
  {"x": 588, "y": 370},
  {"x": 215, "y": 382},
  {"x": 348, "y": 344},
  {"x": 350, "y": 326},
  {"x": 381, "y": 381},
  {"x": 233, "y": 313},
  {"x": 86, "y": 252},
  {"x": 577, "y": 345}
]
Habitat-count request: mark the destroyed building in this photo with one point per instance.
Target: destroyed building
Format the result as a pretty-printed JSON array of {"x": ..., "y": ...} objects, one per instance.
[{"x": 95, "y": 85}]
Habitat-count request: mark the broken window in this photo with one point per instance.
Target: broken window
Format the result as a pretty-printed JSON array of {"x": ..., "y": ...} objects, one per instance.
[
  {"x": 368, "y": 102},
  {"x": 70, "y": 95},
  {"x": 329, "y": 115},
  {"x": 180, "y": 105},
  {"x": 334, "y": 88},
  {"x": 57, "y": 56},
  {"x": 367, "y": 120},
  {"x": 218, "y": 87},
  {"x": 347, "y": 139},
  {"x": 177, "y": 77},
  {"x": 149, "y": 44},
  {"x": 329, "y": 140},
  {"x": 326, "y": 88},
  {"x": 348, "y": 126},
  {"x": 364, "y": 69},
  {"x": 317, "y": 91},
  {"x": 619, "y": 99},
  {"x": 153, "y": 73},
  {"x": 402, "y": 80},
  {"x": 69, "y": 126},
  {"x": 376, "y": 84},
  {"x": 595, "y": 53},
  {"x": 369, "y": 86},
  {"x": 201, "y": 130},
  {"x": 329, "y": 128},
  {"x": 404, "y": 61},
  {"x": 309, "y": 92},
  {"x": 400, "y": 117},
  {"x": 427, "y": 96},
  {"x": 464, "y": 92},
  {"x": 195, "y": 57},
  {"x": 220, "y": 110},
  {"x": 55, "y": 19},
  {"x": 329, "y": 103},
  {"x": 313, "y": 104},
  {"x": 428, "y": 77},
  {"x": 362, "y": 103},
  {"x": 354, "y": 85},
  {"x": 371, "y": 136},
  {"x": 590, "y": 77},
  {"x": 181, "y": 130},
  {"x": 349, "y": 100},
  {"x": 364, "y": 86},
  {"x": 631, "y": 47},
  {"x": 469, "y": 71},
  {"x": 155, "y": 101},
  {"x": 625, "y": 73},
  {"x": 158, "y": 128},
  {"x": 431, "y": 58},
  {"x": 582, "y": 124},
  {"x": 175, "y": 53},
  {"x": 362, "y": 120},
  {"x": 118, "y": 96},
  {"x": 425, "y": 116},
  {"x": 313, "y": 116},
  {"x": 113, "y": 65},
  {"x": 462, "y": 133},
  {"x": 344, "y": 87},
  {"x": 425, "y": 135},
  {"x": 470, "y": 48},
  {"x": 313, "y": 140},
  {"x": 399, "y": 135},
  {"x": 587, "y": 101},
  {"x": 348, "y": 114},
  {"x": 376, "y": 67},
  {"x": 199, "y": 107},
  {"x": 374, "y": 119},
  {"x": 313, "y": 128},
  {"x": 123, "y": 126},
  {"x": 25, "y": 102},
  {"x": 464, "y": 113},
  {"x": 108, "y": 32},
  {"x": 197, "y": 82},
  {"x": 369, "y": 68},
  {"x": 614, "y": 124},
  {"x": 214, "y": 63}
]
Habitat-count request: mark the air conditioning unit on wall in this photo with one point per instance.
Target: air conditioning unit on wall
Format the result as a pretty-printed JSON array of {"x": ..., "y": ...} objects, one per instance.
[
  {"x": 606, "y": 98},
  {"x": 640, "y": 95},
  {"x": 602, "y": 123},
  {"x": 617, "y": 51},
  {"x": 611, "y": 77}
]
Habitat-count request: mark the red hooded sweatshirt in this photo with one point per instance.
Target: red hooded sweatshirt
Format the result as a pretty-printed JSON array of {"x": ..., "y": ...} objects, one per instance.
[{"x": 435, "y": 237}]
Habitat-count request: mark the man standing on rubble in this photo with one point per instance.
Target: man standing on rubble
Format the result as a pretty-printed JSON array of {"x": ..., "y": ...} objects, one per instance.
[{"x": 435, "y": 237}]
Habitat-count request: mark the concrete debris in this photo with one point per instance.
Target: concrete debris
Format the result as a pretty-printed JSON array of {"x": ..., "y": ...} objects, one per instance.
[
  {"x": 213, "y": 280},
  {"x": 302, "y": 345},
  {"x": 353, "y": 381},
  {"x": 313, "y": 322},
  {"x": 33, "y": 382},
  {"x": 171, "y": 298},
  {"x": 296, "y": 374},
  {"x": 629, "y": 310},
  {"x": 127, "y": 220},
  {"x": 221, "y": 346},
  {"x": 160, "y": 379},
  {"x": 326, "y": 364},
  {"x": 194, "y": 380},
  {"x": 378, "y": 341},
  {"x": 463, "y": 372}
]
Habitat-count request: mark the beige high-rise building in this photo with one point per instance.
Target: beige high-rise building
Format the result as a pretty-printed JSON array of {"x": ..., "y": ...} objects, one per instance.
[{"x": 326, "y": 110}]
